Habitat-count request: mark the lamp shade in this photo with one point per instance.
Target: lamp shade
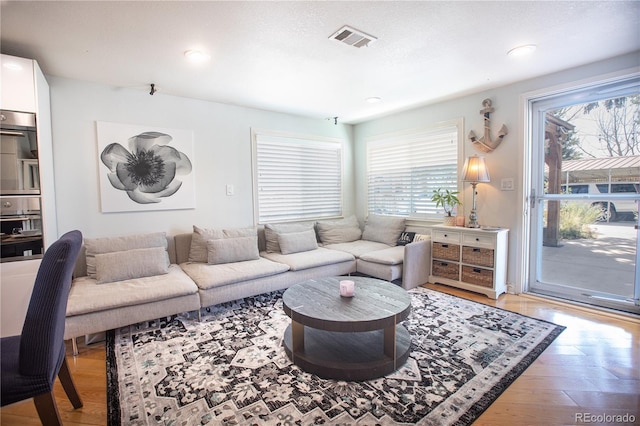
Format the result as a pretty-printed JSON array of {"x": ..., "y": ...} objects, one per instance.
[{"x": 475, "y": 170}]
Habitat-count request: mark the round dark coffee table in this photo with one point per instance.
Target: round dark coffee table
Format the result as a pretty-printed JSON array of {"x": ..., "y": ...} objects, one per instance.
[{"x": 347, "y": 338}]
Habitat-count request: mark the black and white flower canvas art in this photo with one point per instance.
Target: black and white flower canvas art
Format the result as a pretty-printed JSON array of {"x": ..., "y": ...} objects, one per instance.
[{"x": 143, "y": 168}]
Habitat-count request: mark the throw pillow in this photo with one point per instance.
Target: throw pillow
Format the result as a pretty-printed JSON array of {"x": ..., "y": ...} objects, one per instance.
[
  {"x": 295, "y": 242},
  {"x": 406, "y": 238},
  {"x": 383, "y": 229},
  {"x": 130, "y": 264},
  {"x": 228, "y": 250},
  {"x": 240, "y": 232},
  {"x": 198, "y": 251},
  {"x": 271, "y": 233},
  {"x": 96, "y": 246},
  {"x": 339, "y": 231}
]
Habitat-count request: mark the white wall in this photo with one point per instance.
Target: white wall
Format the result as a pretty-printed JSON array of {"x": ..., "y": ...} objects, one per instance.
[
  {"x": 222, "y": 155},
  {"x": 222, "y": 152},
  {"x": 495, "y": 207}
]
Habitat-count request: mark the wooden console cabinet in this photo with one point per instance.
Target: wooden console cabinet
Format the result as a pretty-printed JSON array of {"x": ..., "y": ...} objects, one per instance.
[{"x": 471, "y": 259}]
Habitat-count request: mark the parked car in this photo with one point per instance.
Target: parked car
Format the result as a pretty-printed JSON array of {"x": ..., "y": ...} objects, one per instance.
[{"x": 610, "y": 210}]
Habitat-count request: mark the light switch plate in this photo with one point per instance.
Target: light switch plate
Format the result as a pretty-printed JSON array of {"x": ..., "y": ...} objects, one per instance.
[
  {"x": 506, "y": 184},
  {"x": 230, "y": 189}
]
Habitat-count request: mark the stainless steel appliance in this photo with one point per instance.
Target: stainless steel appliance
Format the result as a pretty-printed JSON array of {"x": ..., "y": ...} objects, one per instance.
[
  {"x": 19, "y": 170},
  {"x": 20, "y": 215},
  {"x": 21, "y": 226}
]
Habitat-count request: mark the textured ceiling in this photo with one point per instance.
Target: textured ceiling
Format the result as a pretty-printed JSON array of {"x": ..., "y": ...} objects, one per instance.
[{"x": 277, "y": 55}]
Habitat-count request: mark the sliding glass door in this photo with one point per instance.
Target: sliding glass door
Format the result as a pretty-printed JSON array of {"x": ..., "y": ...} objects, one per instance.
[{"x": 584, "y": 195}]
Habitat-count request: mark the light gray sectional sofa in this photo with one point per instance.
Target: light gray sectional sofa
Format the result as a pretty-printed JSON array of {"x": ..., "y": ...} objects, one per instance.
[
  {"x": 124, "y": 280},
  {"x": 258, "y": 272}
]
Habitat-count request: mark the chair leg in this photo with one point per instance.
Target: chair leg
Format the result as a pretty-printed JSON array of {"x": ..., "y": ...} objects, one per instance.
[
  {"x": 67, "y": 384},
  {"x": 47, "y": 409},
  {"x": 74, "y": 345}
]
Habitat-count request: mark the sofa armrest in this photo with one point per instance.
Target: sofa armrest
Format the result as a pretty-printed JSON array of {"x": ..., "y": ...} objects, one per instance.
[{"x": 417, "y": 264}]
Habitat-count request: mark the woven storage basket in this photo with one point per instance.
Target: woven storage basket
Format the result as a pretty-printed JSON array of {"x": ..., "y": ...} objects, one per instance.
[
  {"x": 445, "y": 270},
  {"x": 446, "y": 251},
  {"x": 477, "y": 256},
  {"x": 477, "y": 276}
]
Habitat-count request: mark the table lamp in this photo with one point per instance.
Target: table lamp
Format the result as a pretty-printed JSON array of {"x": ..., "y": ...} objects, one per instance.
[{"x": 474, "y": 171}]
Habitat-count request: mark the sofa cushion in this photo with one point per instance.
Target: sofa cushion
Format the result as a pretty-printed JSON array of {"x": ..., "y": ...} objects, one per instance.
[
  {"x": 271, "y": 233},
  {"x": 339, "y": 231},
  {"x": 199, "y": 252},
  {"x": 240, "y": 232},
  {"x": 228, "y": 250},
  {"x": 295, "y": 242},
  {"x": 129, "y": 264},
  {"x": 389, "y": 256},
  {"x": 208, "y": 276},
  {"x": 383, "y": 229},
  {"x": 309, "y": 259},
  {"x": 87, "y": 295},
  {"x": 358, "y": 248},
  {"x": 112, "y": 244},
  {"x": 378, "y": 270}
]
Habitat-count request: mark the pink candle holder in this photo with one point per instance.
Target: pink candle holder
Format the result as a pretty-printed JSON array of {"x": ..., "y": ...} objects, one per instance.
[{"x": 347, "y": 288}]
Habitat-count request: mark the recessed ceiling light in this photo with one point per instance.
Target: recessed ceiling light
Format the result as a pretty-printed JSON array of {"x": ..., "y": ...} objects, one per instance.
[
  {"x": 12, "y": 66},
  {"x": 197, "y": 56},
  {"x": 522, "y": 50},
  {"x": 373, "y": 99}
]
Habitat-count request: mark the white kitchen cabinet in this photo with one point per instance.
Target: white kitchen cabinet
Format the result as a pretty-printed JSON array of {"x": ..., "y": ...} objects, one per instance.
[
  {"x": 471, "y": 259},
  {"x": 17, "y": 76},
  {"x": 27, "y": 90},
  {"x": 15, "y": 293}
]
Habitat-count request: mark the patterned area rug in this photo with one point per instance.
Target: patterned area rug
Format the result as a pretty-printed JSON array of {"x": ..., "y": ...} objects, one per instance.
[{"x": 231, "y": 368}]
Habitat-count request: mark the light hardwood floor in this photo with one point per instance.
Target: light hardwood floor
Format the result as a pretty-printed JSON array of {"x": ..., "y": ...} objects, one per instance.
[{"x": 592, "y": 369}]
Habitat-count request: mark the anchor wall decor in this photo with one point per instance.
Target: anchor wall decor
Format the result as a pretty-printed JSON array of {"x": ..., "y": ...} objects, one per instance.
[{"x": 485, "y": 144}]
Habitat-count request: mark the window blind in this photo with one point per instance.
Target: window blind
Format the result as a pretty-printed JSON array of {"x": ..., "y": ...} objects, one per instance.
[
  {"x": 297, "y": 179},
  {"x": 404, "y": 170}
]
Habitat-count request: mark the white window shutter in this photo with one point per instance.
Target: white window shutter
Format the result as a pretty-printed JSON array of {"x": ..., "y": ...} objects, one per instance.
[
  {"x": 404, "y": 170},
  {"x": 297, "y": 179}
]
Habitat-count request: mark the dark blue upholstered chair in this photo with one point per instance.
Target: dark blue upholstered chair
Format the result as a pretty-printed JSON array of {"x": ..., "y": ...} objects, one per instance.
[{"x": 30, "y": 362}]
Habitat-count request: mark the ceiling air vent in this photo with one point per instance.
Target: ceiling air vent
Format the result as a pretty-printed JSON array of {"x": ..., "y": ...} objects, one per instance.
[{"x": 352, "y": 37}]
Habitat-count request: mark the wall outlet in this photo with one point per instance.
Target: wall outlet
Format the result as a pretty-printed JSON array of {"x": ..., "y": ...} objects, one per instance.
[
  {"x": 506, "y": 184},
  {"x": 230, "y": 189}
]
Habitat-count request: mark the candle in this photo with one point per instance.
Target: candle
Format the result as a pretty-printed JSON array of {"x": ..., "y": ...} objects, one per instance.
[{"x": 347, "y": 288}]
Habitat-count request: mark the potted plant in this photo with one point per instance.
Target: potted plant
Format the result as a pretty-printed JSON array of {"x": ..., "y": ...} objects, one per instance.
[{"x": 448, "y": 200}]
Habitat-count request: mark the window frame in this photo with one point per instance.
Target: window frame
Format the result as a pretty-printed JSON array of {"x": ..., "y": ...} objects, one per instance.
[
  {"x": 402, "y": 137},
  {"x": 299, "y": 140}
]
